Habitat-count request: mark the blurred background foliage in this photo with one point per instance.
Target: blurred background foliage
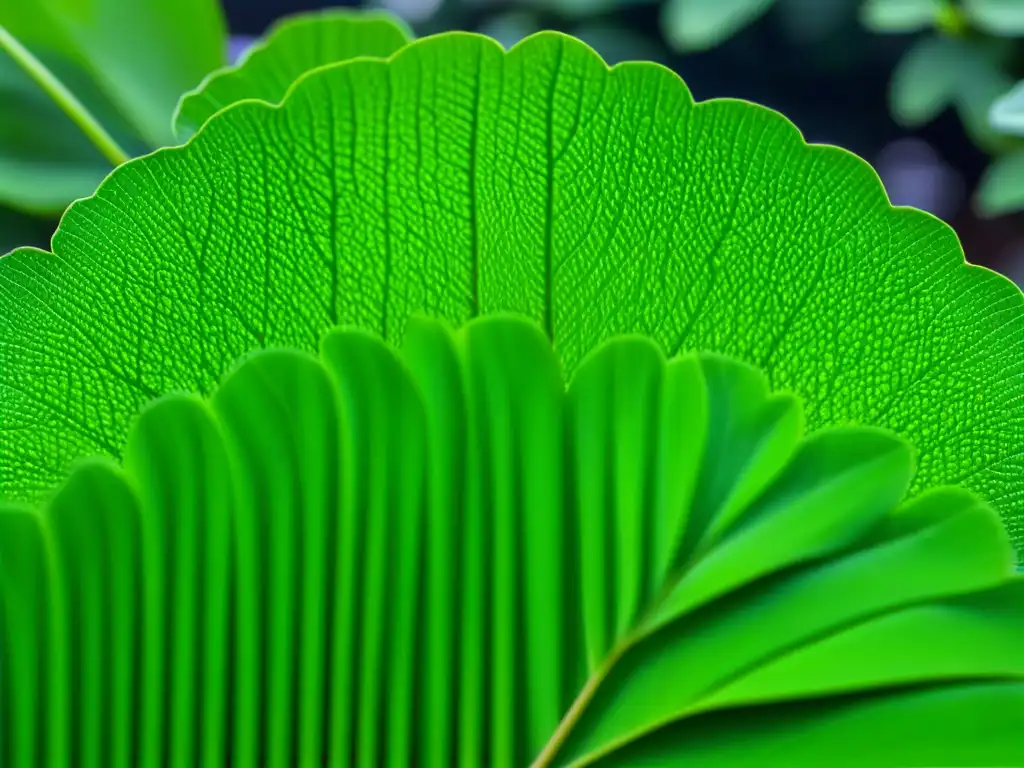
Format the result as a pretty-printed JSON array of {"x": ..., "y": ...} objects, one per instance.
[{"x": 923, "y": 89}]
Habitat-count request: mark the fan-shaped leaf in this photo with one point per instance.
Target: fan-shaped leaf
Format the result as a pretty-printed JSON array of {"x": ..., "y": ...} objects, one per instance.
[
  {"x": 292, "y": 47},
  {"x": 339, "y": 551},
  {"x": 460, "y": 180}
]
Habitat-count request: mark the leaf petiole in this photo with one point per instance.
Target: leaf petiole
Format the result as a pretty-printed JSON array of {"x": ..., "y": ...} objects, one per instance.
[{"x": 64, "y": 99}]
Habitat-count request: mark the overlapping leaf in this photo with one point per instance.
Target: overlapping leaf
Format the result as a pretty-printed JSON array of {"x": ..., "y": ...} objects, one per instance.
[
  {"x": 653, "y": 566},
  {"x": 458, "y": 179},
  {"x": 291, "y": 48}
]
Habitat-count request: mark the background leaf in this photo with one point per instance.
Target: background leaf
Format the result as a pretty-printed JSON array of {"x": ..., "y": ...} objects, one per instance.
[
  {"x": 899, "y": 15},
  {"x": 696, "y": 24},
  {"x": 291, "y": 48},
  {"x": 45, "y": 159},
  {"x": 1004, "y": 18},
  {"x": 593, "y": 201},
  {"x": 927, "y": 79},
  {"x": 1002, "y": 187},
  {"x": 143, "y": 55},
  {"x": 1007, "y": 112}
]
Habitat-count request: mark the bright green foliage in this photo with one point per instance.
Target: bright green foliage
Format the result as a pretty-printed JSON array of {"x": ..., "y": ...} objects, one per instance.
[
  {"x": 45, "y": 160},
  {"x": 1002, "y": 187},
  {"x": 143, "y": 55},
  {"x": 464, "y": 549},
  {"x": 697, "y": 24},
  {"x": 938, "y": 72},
  {"x": 126, "y": 62},
  {"x": 458, "y": 180},
  {"x": 293, "y": 47},
  {"x": 899, "y": 15}
]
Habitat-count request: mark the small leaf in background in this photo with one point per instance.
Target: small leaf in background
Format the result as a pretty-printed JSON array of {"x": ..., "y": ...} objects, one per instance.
[
  {"x": 1001, "y": 189},
  {"x": 1007, "y": 112},
  {"x": 939, "y": 71},
  {"x": 926, "y": 80},
  {"x": 45, "y": 159},
  {"x": 983, "y": 80},
  {"x": 1004, "y": 18},
  {"x": 899, "y": 15},
  {"x": 699, "y": 24},
  {"x": 142, "y": 55},
  {"x": 291, "y": 48},
  {"x": 974, "y": 105}
]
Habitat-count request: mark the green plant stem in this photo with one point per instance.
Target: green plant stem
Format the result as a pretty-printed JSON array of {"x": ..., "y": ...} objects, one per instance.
[
  {"x": 64, "y": 99},
  {"x": 584, "y": 698}
]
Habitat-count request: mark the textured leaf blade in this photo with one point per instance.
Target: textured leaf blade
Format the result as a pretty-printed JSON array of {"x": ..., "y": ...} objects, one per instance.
[
  {"x": 291, "y": 48},
  {"x": 826, "y": 262}
]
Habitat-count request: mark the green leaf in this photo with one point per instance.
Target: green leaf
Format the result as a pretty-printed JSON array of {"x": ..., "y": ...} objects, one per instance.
[
  {"x": 1001, "y": 189},
  {"x": 1006, "y": 114},
  {"x": 927, "y": 79},
  {"x": 291, "y": 48},
  {"x": 984, "y": 81},
  {"x": 899, "y": 15},
  {"x": 594, "y": 201},
  {"x": 505, "y": 558},
  {"x": 1004, "y": 18},
  {"x": 940, "y": 71},
  {"x": 696, "y": 24},
  {"x": 45, "y": 160},
  {"x": 143, "y": 55}
]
